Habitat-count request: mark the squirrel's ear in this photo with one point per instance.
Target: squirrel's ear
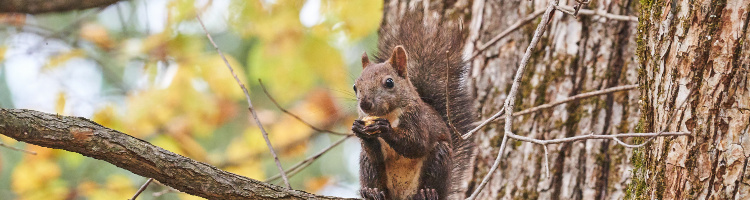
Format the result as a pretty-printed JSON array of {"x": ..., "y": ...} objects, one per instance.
[
  {"x": 398, "y": 60},
  {"x": 365, "y": 60}
]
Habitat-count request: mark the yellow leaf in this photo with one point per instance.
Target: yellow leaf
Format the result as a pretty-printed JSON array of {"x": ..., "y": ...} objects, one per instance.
[
  {"x": 60, "y": 103},
  {"x": 2, "y": 52},
  {"x": 7, "y": 140},
  {"x": 168, "y": 144},
  {"x": 63, "y": 58},
  {"x": 185, "y": 196},
  {"x": 117, "y": 187},
  {"x": 318, "y": 109},
  {"x": 219, "y": 79},
  {"x": 317, "y": 183},
  {"x": 360, "y": 17},
  {"x": 35, "y": 178},
  {"x": 107, "y": 117},
  {"x": 97, "y": 34}
]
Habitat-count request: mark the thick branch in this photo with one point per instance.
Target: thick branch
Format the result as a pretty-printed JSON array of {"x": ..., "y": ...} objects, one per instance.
[
  {"x": 80, "y": 135},
  {"x": 44, "y": 6}
]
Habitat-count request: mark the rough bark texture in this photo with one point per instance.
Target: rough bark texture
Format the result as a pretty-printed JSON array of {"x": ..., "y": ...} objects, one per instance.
[
  {"x": 574, "y": 56},
  {"x": 44, "y": 6},
  {"x": 90, "y": 139},
  {"x": 699, "y": 46}
]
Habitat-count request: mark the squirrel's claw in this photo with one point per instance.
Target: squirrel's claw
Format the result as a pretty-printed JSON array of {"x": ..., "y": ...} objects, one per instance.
[
  {"x": 374, "y": 130},
  {"x": 426, "y": 194},
  {"x": 362, "y": 131},
  {"x": 372, "y": 194}
]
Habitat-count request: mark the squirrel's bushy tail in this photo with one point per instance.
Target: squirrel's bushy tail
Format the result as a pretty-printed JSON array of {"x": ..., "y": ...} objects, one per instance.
[{"x": 440, "y": 74}]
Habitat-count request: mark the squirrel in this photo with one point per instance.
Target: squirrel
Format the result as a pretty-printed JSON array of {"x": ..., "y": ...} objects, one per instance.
[{"x": 413, "y": 105}]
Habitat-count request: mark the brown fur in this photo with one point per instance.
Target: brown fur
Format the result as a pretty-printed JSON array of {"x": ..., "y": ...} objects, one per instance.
[{"x": 412, "y": 152}]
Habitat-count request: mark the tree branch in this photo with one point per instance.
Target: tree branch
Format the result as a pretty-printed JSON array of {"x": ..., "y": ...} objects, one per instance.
[
  {"x": 80, "y": 135},
  {"x": 249, "y": 103},
  {"x": 45, "y": 6}
]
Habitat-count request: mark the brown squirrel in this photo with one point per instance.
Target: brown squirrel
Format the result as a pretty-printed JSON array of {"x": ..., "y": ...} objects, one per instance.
[{"x": 413, "y": 105}]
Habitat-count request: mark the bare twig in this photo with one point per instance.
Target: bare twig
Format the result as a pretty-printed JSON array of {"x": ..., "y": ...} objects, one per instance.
[
  {"x": 601, "y": 13},
  {"x": 143, "y": 187},
  {"x": 295, "y": 116},
  {"x": 249, "y": 103},
  {"x": 567, "y": 11},
  {"x": 669, "y": 121},
  {"x": 510, "y": 101},
  {"x": 484, "y": 123},
  {"x": 591, "y": 136},
  {"x": 302, "y": 164},
  {"x": 507, "y": 32},
  {"x": 165, "y": 191},
  {"x": 546, "y": 159},
  {"x": 575, "y": 98},
  {"x": 499, "y": 114},
  {"x": 17, "y": 149}
]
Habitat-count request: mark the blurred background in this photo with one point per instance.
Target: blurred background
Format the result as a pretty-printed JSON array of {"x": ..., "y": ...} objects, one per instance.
[{"x": 146, "y": 68}]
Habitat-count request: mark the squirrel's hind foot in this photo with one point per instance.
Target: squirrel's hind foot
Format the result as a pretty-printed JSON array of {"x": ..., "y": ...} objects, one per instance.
[
  {"x": 372, "y": 194},
  {"x": 426, "y": 194}
]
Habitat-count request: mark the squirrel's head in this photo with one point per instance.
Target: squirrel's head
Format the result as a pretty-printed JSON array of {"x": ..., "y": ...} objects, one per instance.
[{"x": 384, "y": 87}]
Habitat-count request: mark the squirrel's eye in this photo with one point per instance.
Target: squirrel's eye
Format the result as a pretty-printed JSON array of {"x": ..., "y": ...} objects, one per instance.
[
  {"x": 389, "y": 83},
  {"x": 355, "y": 88}
]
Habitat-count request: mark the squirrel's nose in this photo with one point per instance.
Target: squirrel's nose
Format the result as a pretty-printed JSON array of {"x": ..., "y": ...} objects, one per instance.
[{"x": 365, "y": 105}]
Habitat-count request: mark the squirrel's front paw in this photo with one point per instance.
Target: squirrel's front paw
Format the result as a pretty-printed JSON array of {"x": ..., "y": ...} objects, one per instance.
[
  {"x": 378, "y": 125},
  {"x": 426, "y": 194},
  {"x": 361, "y": 131},
  {"x": 372, "y": 194},
  {"x": 371, "y": 129}
]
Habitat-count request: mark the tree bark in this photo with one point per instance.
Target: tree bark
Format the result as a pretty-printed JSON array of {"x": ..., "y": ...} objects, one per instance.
[
  {"x": 575, "y": 55},
  {"x": 80, "y": 135},
  {"x": 698, "y": 48},
  {"x": 45, "y": 6}
]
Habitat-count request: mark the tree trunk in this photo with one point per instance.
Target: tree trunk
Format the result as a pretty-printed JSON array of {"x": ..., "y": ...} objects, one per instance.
[
  {"x": 575, "y": 55},
  {"x": 692, "y": 47},
  {"x": 695, "y": 51}
]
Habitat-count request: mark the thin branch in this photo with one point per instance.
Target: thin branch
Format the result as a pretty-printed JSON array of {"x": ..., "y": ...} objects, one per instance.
[
  {"x": 302, "y": 164},
  {"x": 143, "y": 187},
  {"x": 669, "y": 120},
  {"x": 484, "y": 123},
  {"x": 510, "y": 101},
  {"x": 567, "y": 11},
  {"x": 249, "y": 103},
  {"x": 591, "y": 136},
  {"x": 499, "y": 114},
  {"x": 17, "y": 149},
  {"x": 295, "y": 116},
  {"x": 165, "y": 191},
  {"x": 507, "y": 32},
  {"x": 486, "y": 178},
  {"x": 601, "y": 13},
  {"x": 578, "y": 97},
  {"x": 546, "y": 159}
]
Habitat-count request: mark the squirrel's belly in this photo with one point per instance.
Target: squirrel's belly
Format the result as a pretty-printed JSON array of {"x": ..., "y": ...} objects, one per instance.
[{"x": 402, "y": 173}]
